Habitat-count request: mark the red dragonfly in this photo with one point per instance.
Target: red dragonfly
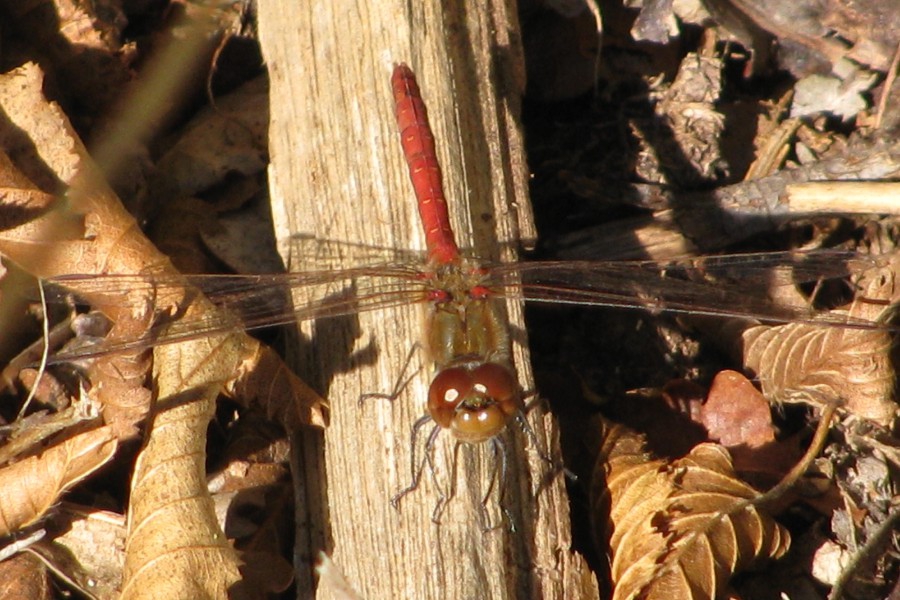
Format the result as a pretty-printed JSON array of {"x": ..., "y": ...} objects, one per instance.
[{"x": 475, "y": 393}]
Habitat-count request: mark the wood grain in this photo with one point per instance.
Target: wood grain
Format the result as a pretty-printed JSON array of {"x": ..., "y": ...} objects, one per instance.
[{"x": 338, "y": 174}]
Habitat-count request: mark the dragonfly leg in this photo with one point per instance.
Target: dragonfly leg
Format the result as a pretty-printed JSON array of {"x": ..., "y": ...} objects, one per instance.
[
  {"x": 399, "y": 385},
  {"x": 535, "y": 400},
  {"x": 542, "y": 453},
  {"x": 416, "y": 467},
  {"x": 443, "y": 498},
  {"x": 498, "y": 479}
]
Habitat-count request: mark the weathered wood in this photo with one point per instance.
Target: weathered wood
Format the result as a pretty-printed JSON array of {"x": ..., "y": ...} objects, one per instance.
[{"x": 338, "y": 174}]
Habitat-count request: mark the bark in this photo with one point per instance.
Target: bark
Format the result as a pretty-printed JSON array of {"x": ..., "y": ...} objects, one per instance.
[{"x": 338, "y": 174}]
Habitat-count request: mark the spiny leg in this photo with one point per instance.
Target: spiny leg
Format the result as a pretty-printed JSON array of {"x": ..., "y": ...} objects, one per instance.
[
  {"x": 400, "y": 383},
  {"x": 443, "y": 499},
  {"x": 498, "y": 479},
  {"x": 542, "y": 454},
  {"x": 416, "y": 468}
]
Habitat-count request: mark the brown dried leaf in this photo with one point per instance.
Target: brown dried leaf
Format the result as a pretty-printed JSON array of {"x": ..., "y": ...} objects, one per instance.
[
  {"x": 263, "y": 378},
  {"x": 29, "y": 488},
  {"x": 679, "y": 529},
  {"x": 814, "y": 35},
  {"x": 656, "y": 23},
  {"x": 217, "y": 147},
  {"x": 79, "y": 45},
  {"x": 735, "y": 413},
  {"x": 169, "y": 483},
  {"x": 23, "y": 576},
  {"x": 172, "y": 521},
  {"x": 94, "y": 234},
  {"x": 691, "y": 154},
  {"x": 823, "y": 365},
  {"x": 34, "y": 430},
  {"x": 90, "y": 233},
  {"x": 816, "y": 94},
  {"x": 689, "y": 107},
  {"x": 176, "y": 231},
  {"x": 89, "y": 553},
  {"x": 739, "y": 417},
  {"x": 220, "y": 141}
]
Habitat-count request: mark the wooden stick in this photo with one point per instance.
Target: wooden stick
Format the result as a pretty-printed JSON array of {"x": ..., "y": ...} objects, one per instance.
[
  {"x": 338, "y": 173},
  {"x": 846, "y": 197}
]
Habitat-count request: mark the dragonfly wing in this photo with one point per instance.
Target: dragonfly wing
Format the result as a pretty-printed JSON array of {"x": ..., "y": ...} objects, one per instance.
[
  {"x": 740, "y": 285},
  {"x": 253, "y": 301}
]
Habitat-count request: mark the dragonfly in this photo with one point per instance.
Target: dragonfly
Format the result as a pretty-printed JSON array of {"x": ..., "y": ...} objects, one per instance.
[{"x": 475, "y": 393}]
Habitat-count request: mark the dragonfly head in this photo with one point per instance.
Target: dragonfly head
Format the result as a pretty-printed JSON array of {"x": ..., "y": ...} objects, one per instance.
[{"x": 474, "y": 401}]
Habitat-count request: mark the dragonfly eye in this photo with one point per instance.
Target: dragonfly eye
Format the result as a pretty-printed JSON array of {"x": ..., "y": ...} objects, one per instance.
[
  {"x": 474, "y": 403},
  {"x": 447, "y": 391},
  {"x": 494, "y": 381}
]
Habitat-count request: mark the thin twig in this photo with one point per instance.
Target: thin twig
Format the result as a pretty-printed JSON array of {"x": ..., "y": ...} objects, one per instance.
[
  {"x": 21, "y": 544},
  {"x": 886, "y": 90},
  {"x": 865, "y": 554},
  {"x": 799, "y": 469},
  {"x": 44, "y": 354}
]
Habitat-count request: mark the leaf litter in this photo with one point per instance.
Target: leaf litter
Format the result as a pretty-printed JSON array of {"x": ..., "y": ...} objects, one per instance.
[
  {"x": 700, "y": 495},
  {"x": 619, "y": 176}
]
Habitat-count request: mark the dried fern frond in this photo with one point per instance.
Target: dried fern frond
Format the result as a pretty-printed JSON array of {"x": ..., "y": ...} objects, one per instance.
[
  {"x": 676, "y": 529},
  {"x": 803, "y": 362}
]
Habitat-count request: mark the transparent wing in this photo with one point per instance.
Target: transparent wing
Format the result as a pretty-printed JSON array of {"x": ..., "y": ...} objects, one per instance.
[
  {"x": 738, "y": 285},
  {"x": 248, "y": 301}
]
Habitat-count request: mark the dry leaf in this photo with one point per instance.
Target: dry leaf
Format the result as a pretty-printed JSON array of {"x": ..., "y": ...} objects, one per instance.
[
  {"x": 30, "y": 487},
  {"x": 820, "y": 365},
  {"x": 824, "y": 364},
  {"x": 219, "y": 145},
  {"x": 168, "y": 491},
  {"x": 866, "y": 519},
  {"x": 80, "y": 48},
  {"x": 172, "y": 521},
  {"x": 679, "y": 529},
  {"x": 94, "y": 234},
  {"x": 90, "y": 552},
  {"x": 23, "y": 576},
  {"x": 33, "y": 430},
  {"x": 735, "y": 413},
  {"x": 89, "y": 233},
  {"x": 688, "y": 106},
  {"x": 739, "y": 417},
  {"x": 816, "y": 94},
  {"x": 219, "y": 142},
  {"x": 656, "y": 22}
]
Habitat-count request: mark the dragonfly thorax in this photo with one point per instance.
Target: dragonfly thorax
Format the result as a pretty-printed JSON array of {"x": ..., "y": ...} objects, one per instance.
[
  {"x": 465, "y": 319},
  {"x": 457, "y": 282}
]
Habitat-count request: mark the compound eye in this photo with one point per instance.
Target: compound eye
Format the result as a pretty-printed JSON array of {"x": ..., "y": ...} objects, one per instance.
[
  {"x": 475, "y": 426},
  {"x": 496, "y": 382},
  {"x": 448, "y": 388}
]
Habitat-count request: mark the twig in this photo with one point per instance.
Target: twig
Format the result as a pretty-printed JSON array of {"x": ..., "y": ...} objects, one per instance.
[
  {"x": 799, "y": 469},
  {"x": 866, "y": 553},
  {"x": 886, "y": 90},
  {"x": 44, "y": 354},
  {"x": 853, "y": 197},
  {"x": 21, "y": 544}
]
